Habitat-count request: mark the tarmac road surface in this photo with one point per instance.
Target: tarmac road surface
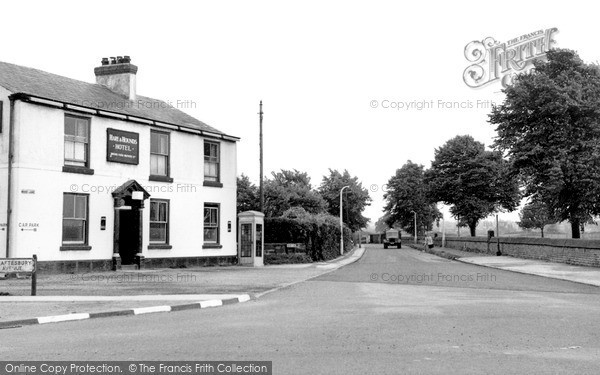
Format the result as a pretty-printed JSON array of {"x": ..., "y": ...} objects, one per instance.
[{"x": 392, "y": 312}]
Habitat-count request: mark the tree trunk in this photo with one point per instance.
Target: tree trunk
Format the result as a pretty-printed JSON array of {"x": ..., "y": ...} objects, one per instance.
[
  {"x": 472, "y": 227},
  {"x": 575, "y": 227}
]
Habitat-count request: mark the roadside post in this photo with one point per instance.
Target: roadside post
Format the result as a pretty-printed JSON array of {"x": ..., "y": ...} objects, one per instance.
[
  {"x": 21, "y": 265},
  {"x": 498, "y": 253}
]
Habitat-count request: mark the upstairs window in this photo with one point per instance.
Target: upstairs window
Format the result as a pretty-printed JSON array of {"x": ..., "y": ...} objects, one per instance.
[
  {"x": 77, "y": 141},
  {"x": 211, "y": 161},
  {"x": 159, "y": 154}
]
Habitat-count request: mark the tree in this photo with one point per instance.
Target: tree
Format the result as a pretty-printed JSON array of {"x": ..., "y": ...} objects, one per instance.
[
  {"x": 356, "y": 198},
  {"x": 407, "y": 193},
  {"x": 291, "y": 188},
  {"x": 549, "y": 127},
  {"x": 535, "y": 215},
  {"x": 247, "y": 195},
  {"x": 474, "y": 181},
  {"x": 382, "y": 223}
]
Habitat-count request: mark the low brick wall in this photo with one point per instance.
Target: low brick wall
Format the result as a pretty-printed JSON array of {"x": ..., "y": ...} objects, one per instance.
[
  {"x": 285, "y": 248},
  {"x": 569, "y": 251},
  {"x": 99, "y": 265}
]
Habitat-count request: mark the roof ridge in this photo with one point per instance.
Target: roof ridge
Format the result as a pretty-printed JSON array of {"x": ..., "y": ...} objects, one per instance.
[
  {"x": 36, "y": 82},
  {"x": 53, "y": 74}
]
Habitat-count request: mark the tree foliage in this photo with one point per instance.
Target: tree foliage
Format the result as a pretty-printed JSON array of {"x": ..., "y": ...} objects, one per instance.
[
  {"x": 535, "y": 215},
  {"x": 382, "y": 223},
  {"x": 474, "y": 181},
  {"x": 549, "y": 127},
  {"x": 356, "y": 198},
  {"x": 407, "y": 193},
  {"x": 291, "y": 188},
  {"x": 247, "y": 195}
]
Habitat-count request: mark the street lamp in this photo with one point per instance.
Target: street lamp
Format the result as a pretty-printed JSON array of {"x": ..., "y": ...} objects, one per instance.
[
  {"x": 415, "y": 226},
  {"x": 342, "y": 222},
  {"x": 443, "y": 231}
]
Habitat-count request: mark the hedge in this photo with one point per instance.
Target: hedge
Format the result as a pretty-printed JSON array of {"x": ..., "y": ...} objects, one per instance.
[{"x": 320, "y": 236}]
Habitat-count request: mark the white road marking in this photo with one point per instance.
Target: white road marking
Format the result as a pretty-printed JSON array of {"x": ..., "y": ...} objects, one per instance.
[{"x": 62, "y": 318}]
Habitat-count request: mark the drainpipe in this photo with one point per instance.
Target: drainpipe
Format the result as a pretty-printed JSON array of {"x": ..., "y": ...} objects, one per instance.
[{"x": 11, "y": 147}]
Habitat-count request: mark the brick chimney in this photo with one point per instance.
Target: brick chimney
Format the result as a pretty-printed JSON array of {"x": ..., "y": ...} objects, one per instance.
[{"x": 117, "y": 74}]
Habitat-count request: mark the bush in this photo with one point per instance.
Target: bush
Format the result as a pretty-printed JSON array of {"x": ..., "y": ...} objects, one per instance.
[{"x": 320, "y": 233}]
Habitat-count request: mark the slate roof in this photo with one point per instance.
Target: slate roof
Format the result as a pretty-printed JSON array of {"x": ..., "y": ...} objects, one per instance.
[{"x": 34, "y": 82}]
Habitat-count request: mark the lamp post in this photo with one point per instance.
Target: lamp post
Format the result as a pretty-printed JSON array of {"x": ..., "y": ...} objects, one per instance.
[
  {"x": 443, "y": 231},
  {"x": 415, "y": 226},
  {"x": 342, "y": 222}
]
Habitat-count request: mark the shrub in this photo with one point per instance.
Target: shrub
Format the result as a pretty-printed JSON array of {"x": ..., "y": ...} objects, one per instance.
[{"x": 320, "y": 233}]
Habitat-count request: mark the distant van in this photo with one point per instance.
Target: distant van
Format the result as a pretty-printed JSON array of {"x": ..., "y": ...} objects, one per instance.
[{"x": 392, "y": 238}]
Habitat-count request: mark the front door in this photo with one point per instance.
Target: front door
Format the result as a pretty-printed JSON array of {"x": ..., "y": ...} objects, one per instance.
[{"x": 129, "y": 234}]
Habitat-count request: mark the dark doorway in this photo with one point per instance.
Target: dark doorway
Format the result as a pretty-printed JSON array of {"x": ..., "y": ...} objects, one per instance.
[
  {"x": 129, "y": 235},
  {"x": 128, "y": 202}
]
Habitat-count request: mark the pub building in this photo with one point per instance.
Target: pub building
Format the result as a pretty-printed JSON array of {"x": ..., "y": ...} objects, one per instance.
[{"x": 97, "y": 177}]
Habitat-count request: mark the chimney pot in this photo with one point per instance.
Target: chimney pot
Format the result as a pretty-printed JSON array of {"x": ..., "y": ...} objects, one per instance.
[{"x": 118, "y": 75}]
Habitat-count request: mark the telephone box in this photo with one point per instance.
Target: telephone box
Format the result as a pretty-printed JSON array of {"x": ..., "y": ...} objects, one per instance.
[{"x": 251, "y": 238}]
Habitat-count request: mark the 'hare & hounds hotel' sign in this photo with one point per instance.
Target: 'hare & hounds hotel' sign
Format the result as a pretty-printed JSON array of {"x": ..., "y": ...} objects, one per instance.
[{"x": 122, "y": 146}]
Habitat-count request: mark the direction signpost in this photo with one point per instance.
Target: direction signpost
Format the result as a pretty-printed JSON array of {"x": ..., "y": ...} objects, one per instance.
[{"x": 21, "y": 265}]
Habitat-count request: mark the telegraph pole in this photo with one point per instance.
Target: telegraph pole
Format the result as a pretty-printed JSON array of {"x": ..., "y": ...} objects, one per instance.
[{"x": 260, "y": 186}]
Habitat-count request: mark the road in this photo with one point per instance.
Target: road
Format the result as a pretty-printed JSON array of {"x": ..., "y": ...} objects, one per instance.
[{"x": 392, "y": 312}]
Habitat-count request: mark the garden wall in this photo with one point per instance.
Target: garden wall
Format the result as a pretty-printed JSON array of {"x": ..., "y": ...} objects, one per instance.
[{"x": 570, "y": 251}]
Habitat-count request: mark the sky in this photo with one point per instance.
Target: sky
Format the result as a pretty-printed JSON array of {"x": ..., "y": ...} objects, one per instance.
[{"x": 325, "y": 70}]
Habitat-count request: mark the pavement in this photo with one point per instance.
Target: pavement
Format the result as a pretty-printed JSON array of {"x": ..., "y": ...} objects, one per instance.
[
  {"x": 561, "y": 271},
  {"x": 68, "y": 297}
]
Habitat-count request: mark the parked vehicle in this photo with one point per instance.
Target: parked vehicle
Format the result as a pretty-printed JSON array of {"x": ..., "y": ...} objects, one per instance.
[{"x": 392, "y": 238}]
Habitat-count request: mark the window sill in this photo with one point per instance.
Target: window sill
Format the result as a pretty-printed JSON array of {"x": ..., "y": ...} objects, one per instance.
[
  {"x": 74, "y": 169},
  {"x": 75, "y": 248},
  {"x": 212, "y": 246},
  {"x": 213, "y": 184},
  {"x": 160, "y": 178},
  {"x": 159, "y": 247}
]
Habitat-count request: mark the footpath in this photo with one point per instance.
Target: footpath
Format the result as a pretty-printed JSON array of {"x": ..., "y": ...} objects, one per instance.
[
  {"x": 578, "y": 274},
  {"x": 78, "y": 296}
]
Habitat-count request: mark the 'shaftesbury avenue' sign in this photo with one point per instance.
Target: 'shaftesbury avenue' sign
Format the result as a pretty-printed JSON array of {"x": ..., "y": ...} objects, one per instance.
[
  {"x": 17, "y": 265},
  {"x": 122, "y": 146}
]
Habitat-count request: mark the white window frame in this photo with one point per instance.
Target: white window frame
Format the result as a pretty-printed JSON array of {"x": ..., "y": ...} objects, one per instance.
[
  {"x": 74, "y": 196},
  {"x": 212, "y": 160},
  {"x": 166, "y": 222},
  {"x": 212, "y": 207},
  {"x": 75, "y": 139},
  {"x": 165, "y": 155}
]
